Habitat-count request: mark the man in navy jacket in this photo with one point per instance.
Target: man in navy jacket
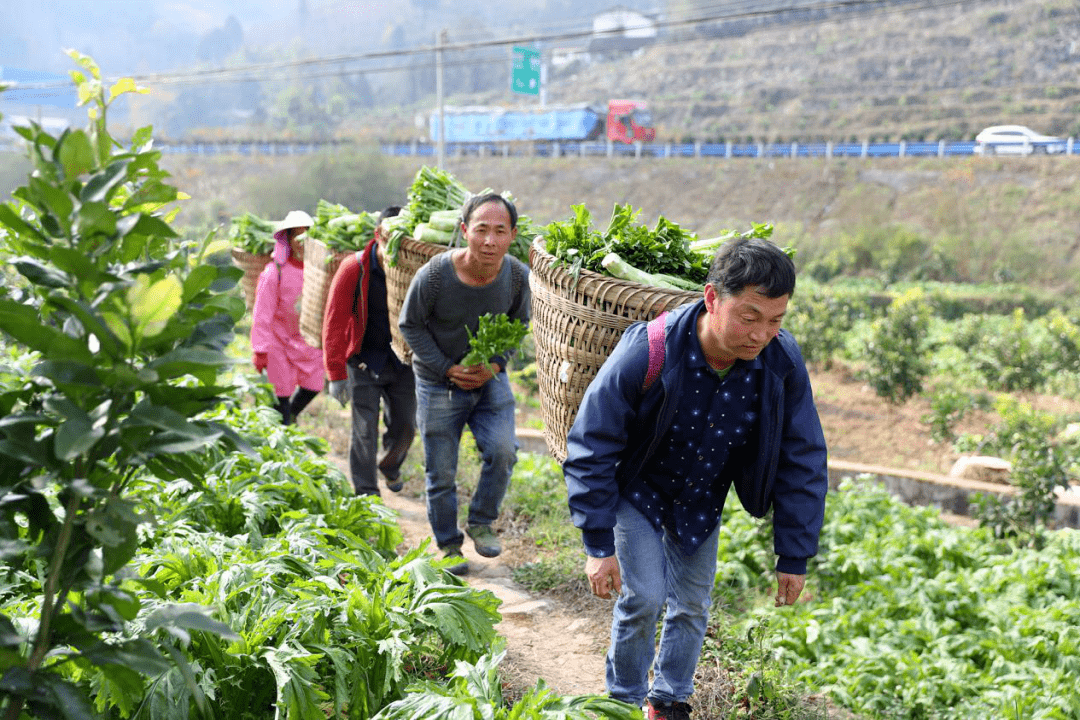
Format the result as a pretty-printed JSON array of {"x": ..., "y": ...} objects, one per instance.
[{"x": 651, "y": 455}]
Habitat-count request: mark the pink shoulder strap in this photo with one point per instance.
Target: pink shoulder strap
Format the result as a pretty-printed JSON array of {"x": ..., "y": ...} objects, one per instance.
[{"x": 657, "y": 332}]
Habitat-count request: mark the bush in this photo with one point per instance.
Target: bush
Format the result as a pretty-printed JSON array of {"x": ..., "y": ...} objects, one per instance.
[
  {"x": 820, "y": 317},
  {"x": 1040, "y": 465},
  {"x": 896, "y": 353},
  {"x": 129, "y": 325},
  {"x": 949, "y": 403},
  {"x": 1011, "y": 358}
]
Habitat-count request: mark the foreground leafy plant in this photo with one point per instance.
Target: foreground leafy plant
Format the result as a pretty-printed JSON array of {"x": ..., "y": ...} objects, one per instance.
[
  {"x": 474, "y": 691},
  {"x": 129, "y": 327},
  {"x": 913, "y": 618}
]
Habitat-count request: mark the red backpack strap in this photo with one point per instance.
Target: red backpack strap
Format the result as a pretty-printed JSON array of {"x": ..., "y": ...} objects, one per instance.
[{"x": 657, "y": 332}]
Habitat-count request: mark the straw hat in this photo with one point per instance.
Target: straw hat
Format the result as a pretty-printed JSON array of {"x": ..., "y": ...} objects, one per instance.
[{"x": 295, "y": 218}]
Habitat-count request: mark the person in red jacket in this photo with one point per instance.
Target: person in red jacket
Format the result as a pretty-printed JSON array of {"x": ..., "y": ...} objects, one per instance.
[{"x": 362, "y": 367}]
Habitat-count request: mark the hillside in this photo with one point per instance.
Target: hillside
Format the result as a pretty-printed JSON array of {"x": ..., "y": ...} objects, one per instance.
[
  {"x": 890, "y": 73},
  {"x": 1002, "y": 217},
  {"x": 897, "y": 74}
]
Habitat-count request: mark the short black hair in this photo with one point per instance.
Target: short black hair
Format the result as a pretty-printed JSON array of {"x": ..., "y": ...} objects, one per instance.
[
  {"x": 392, "y": 211},
  {"x": 752, "y": 262},
  {"x": 477, "y": 200}
]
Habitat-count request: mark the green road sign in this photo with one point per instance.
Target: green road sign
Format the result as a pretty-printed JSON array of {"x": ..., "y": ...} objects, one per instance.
[{"x": 525, "y": 77}]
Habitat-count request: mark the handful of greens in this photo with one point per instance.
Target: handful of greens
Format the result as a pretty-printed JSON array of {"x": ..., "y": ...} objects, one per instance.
[{"x": 495, "y": 335}]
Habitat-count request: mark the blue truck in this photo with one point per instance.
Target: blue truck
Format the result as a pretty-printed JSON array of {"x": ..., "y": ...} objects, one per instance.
[{"x": 623, "y": 121}]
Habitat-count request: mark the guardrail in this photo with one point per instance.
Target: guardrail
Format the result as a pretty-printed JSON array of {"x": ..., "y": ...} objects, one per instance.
[
  {"x": 941, "y": 148},
  {"x": 728, "y": 150}
]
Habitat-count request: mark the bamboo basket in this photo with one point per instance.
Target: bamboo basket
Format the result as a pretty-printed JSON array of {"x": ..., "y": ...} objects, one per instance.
[
  {"x": 320, "y": 264},
  {"x": 412, "y": 255},
  {"x": 575, "y": 327},
  {"x": 252, "y": 265}
]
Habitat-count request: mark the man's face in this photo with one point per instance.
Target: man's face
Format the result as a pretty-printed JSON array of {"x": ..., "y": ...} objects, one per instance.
[
  {"x": 740, "y": 326},
  {"x": 488, "y": 234}
]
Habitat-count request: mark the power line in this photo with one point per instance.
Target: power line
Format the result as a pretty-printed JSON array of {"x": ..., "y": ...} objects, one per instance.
[{"x": 725, "y": 11}]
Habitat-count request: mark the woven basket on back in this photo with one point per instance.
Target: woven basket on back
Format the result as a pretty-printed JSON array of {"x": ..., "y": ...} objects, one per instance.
[
  {"x": 412, "y": 255},
  {"x": 575, "y": 326},
  {"x": 252, "y": 265},
  {"x": 320, "y": 264}
]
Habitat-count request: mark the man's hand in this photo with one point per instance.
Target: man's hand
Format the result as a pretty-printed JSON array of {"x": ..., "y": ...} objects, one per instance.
[
  {"x": 339, "y": 390},
  {"x": 604, "y": 576},
  {"x": 259, "y": 360},
  {"x": 471, "y": 377},
  {"x": 788, "y": 588}
]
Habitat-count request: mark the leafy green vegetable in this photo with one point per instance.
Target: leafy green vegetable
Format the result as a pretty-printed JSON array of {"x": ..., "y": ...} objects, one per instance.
[
  {"x": 708, "y": 246},
  {"x": 251, "y": 233},
  {"x": 340, "y": 229},
  {"x": 475, "y": 691},
  {"x": 397, "y": 228},
  {"x": 622, "y": 269},
  {"x": 667, "y": 254},
  {"x": 445, "y": 220},
  {"x": 435, "y": 201},
  {"x": 494, "y": 335},
  {"x": 432, "y": 190},
  {"x": 664, "y": 249},
  {"x": 426, "y": 233},
  {"x": 911, "y": 617},
  {"x": 573, "y": 243}
]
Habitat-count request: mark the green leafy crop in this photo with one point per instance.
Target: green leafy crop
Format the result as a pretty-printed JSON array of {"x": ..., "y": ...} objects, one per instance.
[{"x": 495, "y": 335}]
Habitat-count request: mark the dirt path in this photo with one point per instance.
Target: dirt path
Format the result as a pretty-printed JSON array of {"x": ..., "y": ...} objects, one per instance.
[{"x": 543, "y": 639}]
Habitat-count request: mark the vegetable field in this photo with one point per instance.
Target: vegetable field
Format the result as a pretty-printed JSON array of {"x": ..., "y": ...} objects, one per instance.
[{"x": 171, "y": 551}]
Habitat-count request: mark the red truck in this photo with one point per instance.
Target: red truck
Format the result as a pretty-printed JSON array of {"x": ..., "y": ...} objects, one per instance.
[{"x": 629, "y": 121}]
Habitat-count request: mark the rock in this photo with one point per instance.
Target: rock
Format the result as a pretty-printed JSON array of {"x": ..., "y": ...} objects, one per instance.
[
  {"x": 984, "y": 468},
  {"x": 529, "y": 607}
]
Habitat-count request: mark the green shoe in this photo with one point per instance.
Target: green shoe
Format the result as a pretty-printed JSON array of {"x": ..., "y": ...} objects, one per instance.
[
  {"x": 485, "y": 540},
  {"x": 454, "y": 554}
]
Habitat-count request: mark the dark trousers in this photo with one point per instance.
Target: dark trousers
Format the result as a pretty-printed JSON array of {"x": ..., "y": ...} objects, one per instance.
[
  {"x": 290, "y": 407},
  {"x": 395, "y": 387}
]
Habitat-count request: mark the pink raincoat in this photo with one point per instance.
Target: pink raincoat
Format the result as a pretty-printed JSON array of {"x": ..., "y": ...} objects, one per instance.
[{"x": 275, "y": 325}]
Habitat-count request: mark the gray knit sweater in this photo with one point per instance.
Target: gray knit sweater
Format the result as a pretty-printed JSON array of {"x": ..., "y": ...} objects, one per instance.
[{"x": 438, "y": 307}]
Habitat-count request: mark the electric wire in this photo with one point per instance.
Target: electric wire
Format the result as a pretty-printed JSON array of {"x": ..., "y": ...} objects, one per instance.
[{"x": 308, "y": 68}]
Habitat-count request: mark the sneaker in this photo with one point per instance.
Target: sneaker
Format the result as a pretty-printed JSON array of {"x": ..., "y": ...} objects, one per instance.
[
  {"x": 485, "y": 540},
  {"x": 667, "y": 711},
  {"x": 395, "y": 485},
  {"x": 460, "y": 566}
]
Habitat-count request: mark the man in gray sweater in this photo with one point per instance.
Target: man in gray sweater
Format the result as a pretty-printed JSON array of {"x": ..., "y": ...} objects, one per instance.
[{"x": 443, "y": 305}]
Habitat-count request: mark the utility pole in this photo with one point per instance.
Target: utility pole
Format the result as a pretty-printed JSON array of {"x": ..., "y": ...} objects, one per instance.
[
  {"x": 543, "y": 75},
  {"x": 441, "y": 143}
]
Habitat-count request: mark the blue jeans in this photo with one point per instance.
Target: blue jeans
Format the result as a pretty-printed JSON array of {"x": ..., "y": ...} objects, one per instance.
[
  {"x": 441, "y": 415},
  {"x": 395, "y": 389},
  {"x": 654, "y": 572}
]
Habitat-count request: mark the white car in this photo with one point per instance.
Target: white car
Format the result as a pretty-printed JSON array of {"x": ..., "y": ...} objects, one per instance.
[{"x": 1015, "y": 140}]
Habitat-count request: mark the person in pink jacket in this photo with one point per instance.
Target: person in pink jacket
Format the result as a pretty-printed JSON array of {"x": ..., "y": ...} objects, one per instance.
[{"x": 293, "y": 367}]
